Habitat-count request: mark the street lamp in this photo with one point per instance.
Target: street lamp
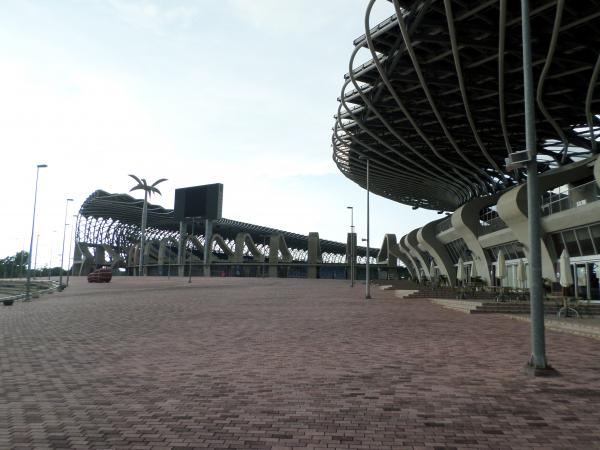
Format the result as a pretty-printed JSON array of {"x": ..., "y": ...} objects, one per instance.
[
  {"x": 367, "y": 277},
  {"x": 37, "y": 244},
  {"x": 538, "y": 364},
  {"x": 51, "y": 254},
  {"x": 62, "y": 253},
  {"x": 351, "y": 208},
  {"x": 28, "y": 285},
  {"x": 69, "y": 265}
]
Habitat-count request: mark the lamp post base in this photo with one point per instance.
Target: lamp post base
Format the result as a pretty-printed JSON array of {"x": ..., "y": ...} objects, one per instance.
[{"x": 547, "y": 371}]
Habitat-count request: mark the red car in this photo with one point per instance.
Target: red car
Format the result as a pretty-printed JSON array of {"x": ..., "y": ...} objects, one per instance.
[{"x": 100, "y": 276}]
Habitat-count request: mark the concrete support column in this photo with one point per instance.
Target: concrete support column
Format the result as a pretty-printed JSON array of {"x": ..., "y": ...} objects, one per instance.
[
  {"x": 413, "y": 246},
  {"x": 351, "y": 254},
  {"x": 131, "y": 257},
  {"x": 426, "y": 236},
  {"x": 165, "y": 255},
  {"x": 403, "y": 255},
  {"x": 273, "y": 255},
  {"x": 240, "y": 241},
  {"x": 99, "y": 259},
  {"x": 314, "y": 255},
  {"x": 405, "y": 249},
  {"x": 465, "y": 221},
  {"x": 115, "y": 257},
  {"x": 162, "y": 251},
  {"x": 181, "y": 249},
  {"x": 83, "y": 260},
  {"x": 150, "y": 254},
  {"x": 391, "y": 251},
  {"x": 388, "y": 252},
  {"x": 208, "y": 226},
  {"x": 512, "y": 209},
  {"x": 407, "y": 263}
]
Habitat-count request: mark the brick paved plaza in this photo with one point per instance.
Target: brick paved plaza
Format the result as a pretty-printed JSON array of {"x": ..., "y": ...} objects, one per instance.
[{"x": 273, "y": 363}]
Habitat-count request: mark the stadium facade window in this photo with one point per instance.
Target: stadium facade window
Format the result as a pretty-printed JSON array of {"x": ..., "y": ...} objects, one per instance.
[
  {"x": 582, "y": 241},
  {"x": 458, "y": 248},
  {"x": 511, "y": 250}
]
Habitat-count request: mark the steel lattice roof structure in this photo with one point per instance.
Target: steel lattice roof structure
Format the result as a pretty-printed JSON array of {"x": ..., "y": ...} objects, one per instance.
[
  {"x": 439, "y": 106},
  {"x": 114, "y": 219}
]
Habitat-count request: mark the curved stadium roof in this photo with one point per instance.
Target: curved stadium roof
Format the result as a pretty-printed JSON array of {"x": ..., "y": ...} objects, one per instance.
[
  {"x": 440, "y": 104},
  {"x": 126, "y": 210}
]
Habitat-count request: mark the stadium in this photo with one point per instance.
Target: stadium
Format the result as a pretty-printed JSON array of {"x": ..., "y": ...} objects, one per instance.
[
  {"x": 438, "y": 108},
  {"x": 108, "y": 235}
]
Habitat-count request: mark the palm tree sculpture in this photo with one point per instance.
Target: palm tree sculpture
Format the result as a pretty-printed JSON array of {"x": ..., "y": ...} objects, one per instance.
[{"x": 148, "y": 190}]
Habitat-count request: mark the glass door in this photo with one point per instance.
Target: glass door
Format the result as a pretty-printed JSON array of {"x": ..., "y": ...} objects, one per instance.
[
  {"x": 594, "y": 280},
  {"x": 581, "y": 280}
]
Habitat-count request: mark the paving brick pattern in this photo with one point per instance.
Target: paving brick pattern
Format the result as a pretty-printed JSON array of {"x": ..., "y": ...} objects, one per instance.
[{"x": 263, "y": 363}]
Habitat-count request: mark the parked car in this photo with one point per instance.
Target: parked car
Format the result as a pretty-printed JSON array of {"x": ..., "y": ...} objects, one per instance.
[{"x": 103, "y": 275}]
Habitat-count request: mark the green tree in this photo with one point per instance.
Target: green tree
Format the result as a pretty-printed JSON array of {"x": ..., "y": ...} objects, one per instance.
[{"x": 14, "y": 266}]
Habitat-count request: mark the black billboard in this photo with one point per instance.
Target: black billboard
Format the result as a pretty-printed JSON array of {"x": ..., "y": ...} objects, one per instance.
[{"x": 204, "y": 201}]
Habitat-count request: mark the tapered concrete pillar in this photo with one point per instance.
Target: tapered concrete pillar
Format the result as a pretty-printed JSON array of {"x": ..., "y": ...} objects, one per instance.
[
  {"x": 426, "y": 237},
  {"x": 83, "y": 260},
  {"x": 390, "y": 252},
  {"x": 273, "y": 255},
  {"x": 512, "y": 209},
  {"x": 387, "y": 255},
  {"x": 314, "y": 255},
  {"x": 413, "y": 245},
  {"x": 131, "y": 257},
  {"x": 405, "y": 249},
  {"x": 277, "y": 246},
  {"x": 165, "y": 254},
  {"x": 208, "y": 226},
  {"x": 99, "y": 259},
  {"x": 408, "y": 264},
  {"x": 402, "y": 256},
  {"x": 351, "y": 244},
  {"x": 115, "y": 258},
  {"x": 465, "y": 221},
  {"x": 242, "y": 241},
  {"x": 77, "y": 261},
  {"x": 181, "y": 249}
]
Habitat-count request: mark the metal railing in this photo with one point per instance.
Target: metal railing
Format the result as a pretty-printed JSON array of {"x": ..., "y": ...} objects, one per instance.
[
  {"x": 554, "y": 202},
  {"x": 491, "y": 225}
]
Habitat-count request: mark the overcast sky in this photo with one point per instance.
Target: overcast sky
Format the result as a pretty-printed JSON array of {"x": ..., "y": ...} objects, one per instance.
[{"x": 241, "y": 92}]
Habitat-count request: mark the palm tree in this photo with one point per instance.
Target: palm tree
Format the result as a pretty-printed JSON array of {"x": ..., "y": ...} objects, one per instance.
[{"x": 148, "y": 190}]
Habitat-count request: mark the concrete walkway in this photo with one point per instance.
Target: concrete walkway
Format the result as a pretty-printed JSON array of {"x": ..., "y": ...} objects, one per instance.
[{"x": 264, "y": 363}]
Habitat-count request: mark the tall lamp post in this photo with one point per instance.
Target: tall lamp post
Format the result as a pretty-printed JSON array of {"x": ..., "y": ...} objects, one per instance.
[
  {"x": 62, "y": 253},
  {"x": 72, "y": 234},
  {"x": 28, "y": 285},
  {"x": 51, "y": 254},
  {"x": 368, "y": 275},
  {"x": 538, "y": 363},
  {"x": 352, "y": 257},
  {"x": 37, "y": 243}
]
